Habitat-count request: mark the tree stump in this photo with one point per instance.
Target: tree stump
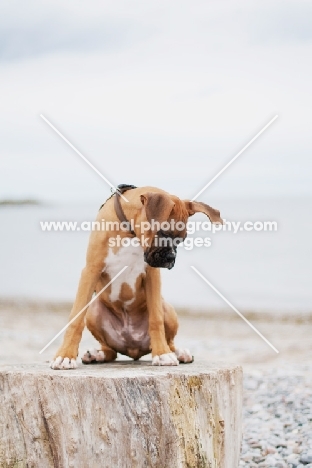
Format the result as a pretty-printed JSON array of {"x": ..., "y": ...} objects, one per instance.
[{"x": 121, "y": 415}]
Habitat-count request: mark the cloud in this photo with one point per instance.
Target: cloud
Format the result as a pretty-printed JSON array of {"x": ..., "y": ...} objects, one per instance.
[
  {"x": 171, "y": 88},
  {"x": 37, "y": 28},
  {"x": 282, "y": 23}
]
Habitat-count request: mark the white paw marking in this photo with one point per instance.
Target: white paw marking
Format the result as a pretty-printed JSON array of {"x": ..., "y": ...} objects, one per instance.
[
  {"x": 93, "y": 355},
  {"x": 63, "y": 363},
  {"x": 183, "y": 355},
  {"x": 168, "y": 359}
]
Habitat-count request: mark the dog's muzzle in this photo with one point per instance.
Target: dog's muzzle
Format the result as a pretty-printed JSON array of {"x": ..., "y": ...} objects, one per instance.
[
  {"x": 161, "y": 257},
  {"x": 163, "y": 252}
]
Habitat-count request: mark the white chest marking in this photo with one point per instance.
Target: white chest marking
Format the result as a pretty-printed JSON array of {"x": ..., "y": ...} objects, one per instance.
[{"x": 131, "y": 256}]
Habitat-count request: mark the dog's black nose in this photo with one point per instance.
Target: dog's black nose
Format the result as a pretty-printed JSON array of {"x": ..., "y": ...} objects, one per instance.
[{"x": 170, "y": 256}]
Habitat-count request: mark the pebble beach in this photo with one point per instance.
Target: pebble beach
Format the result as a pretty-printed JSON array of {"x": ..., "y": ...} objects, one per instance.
[{"x": 277, "y": 415}]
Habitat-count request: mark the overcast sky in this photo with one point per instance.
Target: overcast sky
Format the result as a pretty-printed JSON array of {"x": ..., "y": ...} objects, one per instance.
[{"x": 155, "y": 92}]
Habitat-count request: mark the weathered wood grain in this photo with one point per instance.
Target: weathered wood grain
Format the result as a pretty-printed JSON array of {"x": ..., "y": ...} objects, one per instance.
[{"x": 121, "y": 415}]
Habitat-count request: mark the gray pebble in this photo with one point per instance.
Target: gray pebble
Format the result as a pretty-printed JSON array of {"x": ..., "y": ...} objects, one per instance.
[{"x": 306, "y": 459}]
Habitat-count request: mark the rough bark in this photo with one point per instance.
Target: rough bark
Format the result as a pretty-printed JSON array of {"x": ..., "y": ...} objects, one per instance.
[{"x": 120, "y": 415}]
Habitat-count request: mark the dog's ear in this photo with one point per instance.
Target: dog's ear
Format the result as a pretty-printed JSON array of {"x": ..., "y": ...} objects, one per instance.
[
  {"x": 199, "y": 207},
  {"x": 158, "y": 206}
]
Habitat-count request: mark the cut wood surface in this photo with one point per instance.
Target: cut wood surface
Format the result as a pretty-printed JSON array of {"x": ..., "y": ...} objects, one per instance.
[{"x": 124, "y": 414}]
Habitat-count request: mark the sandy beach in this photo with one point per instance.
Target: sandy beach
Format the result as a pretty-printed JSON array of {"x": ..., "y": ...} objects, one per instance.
[{"x": 26, "y": 327}]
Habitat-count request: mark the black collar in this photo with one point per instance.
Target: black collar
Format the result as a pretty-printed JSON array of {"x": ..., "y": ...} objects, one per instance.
[{"x": 118, "y": 208}]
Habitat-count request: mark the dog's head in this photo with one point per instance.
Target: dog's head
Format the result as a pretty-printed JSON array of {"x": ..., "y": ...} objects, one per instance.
[{"x": 166, "y": 219}]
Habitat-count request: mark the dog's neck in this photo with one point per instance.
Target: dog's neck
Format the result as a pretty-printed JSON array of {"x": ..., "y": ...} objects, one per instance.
[{"x": 117, "y": 205}]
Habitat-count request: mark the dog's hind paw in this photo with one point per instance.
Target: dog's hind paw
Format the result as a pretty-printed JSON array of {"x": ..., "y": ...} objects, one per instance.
[
  {"x": 93, "y": 356},
  {"x": 168, "y": 359},
  {"x": 63, "y": 363},
  {"x": 184, "y": 355}
]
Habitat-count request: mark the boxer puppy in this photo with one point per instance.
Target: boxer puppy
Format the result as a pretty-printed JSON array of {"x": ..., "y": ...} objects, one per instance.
[{"x": 129, "y": 315}]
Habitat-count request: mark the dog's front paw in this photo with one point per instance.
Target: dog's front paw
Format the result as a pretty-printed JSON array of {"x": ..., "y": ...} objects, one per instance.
[
  {"x": 93, "y": 356},
  {"x": 184, "y": 355},
  {"x": 63, "y": 363},
  {"x": 168, "y": 359}
]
